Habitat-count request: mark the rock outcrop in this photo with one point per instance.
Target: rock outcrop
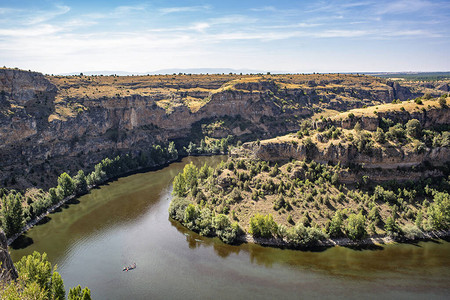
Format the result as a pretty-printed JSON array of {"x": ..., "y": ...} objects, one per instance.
[
  {"x": 383, "y": 158},
  {"x": 8, "y": 271}
]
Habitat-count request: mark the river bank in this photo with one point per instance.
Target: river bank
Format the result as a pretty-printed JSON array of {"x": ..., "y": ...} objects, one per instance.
[
  {"x": 345, "y": 242},
  {"x": 56, "y": 206}
]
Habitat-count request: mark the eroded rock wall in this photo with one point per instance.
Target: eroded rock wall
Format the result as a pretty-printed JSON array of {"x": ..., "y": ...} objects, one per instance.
[{"x": 48, "y": 125}]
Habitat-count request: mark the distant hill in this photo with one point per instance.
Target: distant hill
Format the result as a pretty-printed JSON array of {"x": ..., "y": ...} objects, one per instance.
[
  {"x": 423, "y": 76},
  {"x": 171, "y": 71}
]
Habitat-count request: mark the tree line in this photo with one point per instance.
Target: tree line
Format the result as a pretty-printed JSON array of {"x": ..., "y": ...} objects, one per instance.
[{"x": 13, "y": 214}]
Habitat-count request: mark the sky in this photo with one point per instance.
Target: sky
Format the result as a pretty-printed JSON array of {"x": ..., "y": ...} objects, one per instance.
[{"x": 55, "y": 37}]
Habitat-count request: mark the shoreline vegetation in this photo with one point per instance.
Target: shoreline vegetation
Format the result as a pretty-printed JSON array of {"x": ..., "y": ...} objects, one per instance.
[
  {"x": 345, "y": 241},
  {"x": 17, "y": 220},
  {"x": 431, "y": 220}
]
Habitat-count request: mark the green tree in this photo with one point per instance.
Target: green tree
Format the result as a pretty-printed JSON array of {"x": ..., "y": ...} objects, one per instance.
[
  {"x": 179, "y": 185},
  {"x": 57, "y": 287},
  {"x": 226, "y": 231},
  {"x": 419, "y": 220},
  {"x": 12, "y": 214},
  {"x": 439, "y": 211},
  {"x": 374, "y": 215},
  {"x": 80, "y": 183},
  {"x": 414, "y": 128},
  {"x": 191, "y": 149},
  {"x": 263, "y": 226},
  {"x": 173, "y": 152},
  {"x": 356, "y": 228},
  {"x": 76, "y": 293},
  {"x": 66, "y": 186},
  {"x": 335, "y": 178},
  {"x": 37, "y": 281},
  {"x": 379, "y": 136},
  {"x": 190, "y": 174},
  {"x": 391, "y": 226},
  {"x": 301, "y": 235},
  {"x": 190, "y": 214},
  {"x": 335, "y": 229},
  {"x": 53, "y": 196},
  {"x": 36, "y": 268}
]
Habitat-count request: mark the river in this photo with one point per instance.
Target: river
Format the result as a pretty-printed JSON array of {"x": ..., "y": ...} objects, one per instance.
[{"x": 126, "y": 221}]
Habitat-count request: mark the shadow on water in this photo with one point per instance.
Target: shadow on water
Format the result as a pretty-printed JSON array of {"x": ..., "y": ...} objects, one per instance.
[
  {"x": 67, "y": 204},
  {"x": 57, "y": 210},
  {"x": 372, "y": 247},
  {"x": 446, "y": 238},
  {"x": 73, "y": 201},
  {"x": 44, "y": 220},
  {"x": 22, "y": 242}
]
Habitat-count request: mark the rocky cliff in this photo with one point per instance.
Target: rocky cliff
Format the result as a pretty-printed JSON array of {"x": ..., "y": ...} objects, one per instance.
[
  {"x": 8, "y": 271},
  {"x": 388, "y": 157},
  {"x": 350, "y": 149},
  {"x": 51, "y": 124}
]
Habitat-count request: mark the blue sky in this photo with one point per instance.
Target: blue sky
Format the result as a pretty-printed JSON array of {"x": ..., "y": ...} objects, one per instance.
[{"x": 292, "y": 36}]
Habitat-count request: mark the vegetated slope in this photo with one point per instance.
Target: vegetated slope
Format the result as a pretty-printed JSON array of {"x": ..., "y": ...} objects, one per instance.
[
  {"x": 52, "y": 124},
  {"x": 284, "y": 187}
]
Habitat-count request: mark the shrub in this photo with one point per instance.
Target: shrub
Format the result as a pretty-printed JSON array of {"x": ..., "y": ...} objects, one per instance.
[
  {"x": 177, "y": 207},
  {"x": 414, "y": 128},
  {"x": 305, "y": 236},
  {"x": 391, "y": 226},
  {"x": 412, "y": 232},
  {"x": 380, "y": 136},
  {"x": 335, "y": 229},
  {"x": 443, "y": 102},
  {"x": 226, "y": 231},
  {"x": 355, "y": 227},
  {"x": 263, "y": 226},
  {"x": 439, "y": 211}
]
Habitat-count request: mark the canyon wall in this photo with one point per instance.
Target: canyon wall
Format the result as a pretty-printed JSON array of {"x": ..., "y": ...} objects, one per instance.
[{"x": 53, "y": 124}]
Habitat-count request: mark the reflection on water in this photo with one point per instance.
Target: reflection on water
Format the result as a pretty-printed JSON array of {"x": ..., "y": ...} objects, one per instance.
[
  {"x": 363, "y": 261},
  {"x": 126, "y": 221}
]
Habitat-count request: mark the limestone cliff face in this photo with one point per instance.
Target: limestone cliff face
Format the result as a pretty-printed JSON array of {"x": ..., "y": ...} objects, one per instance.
[
  {"x": 53, "y": 124},
  {"x": 428, "y": 118},
  {"x": 8, "y": 271},
  {"x": 384, "y": 158},
  {"x": 26, "y": 100}
]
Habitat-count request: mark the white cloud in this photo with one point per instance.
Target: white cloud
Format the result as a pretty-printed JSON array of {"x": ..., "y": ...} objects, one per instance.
[
  {"x": 121, "y": 10},
  {"x": 179, "y": 9},
  {"x": 42, "y": 16},
  {"x": 403, "y": 6},
  {"x": 265, "y": 8},
  {"x": 39, "y": 30}
]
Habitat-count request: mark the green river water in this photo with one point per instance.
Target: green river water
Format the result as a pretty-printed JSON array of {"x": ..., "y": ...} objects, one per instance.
[{"x": 126, "y": 221}]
